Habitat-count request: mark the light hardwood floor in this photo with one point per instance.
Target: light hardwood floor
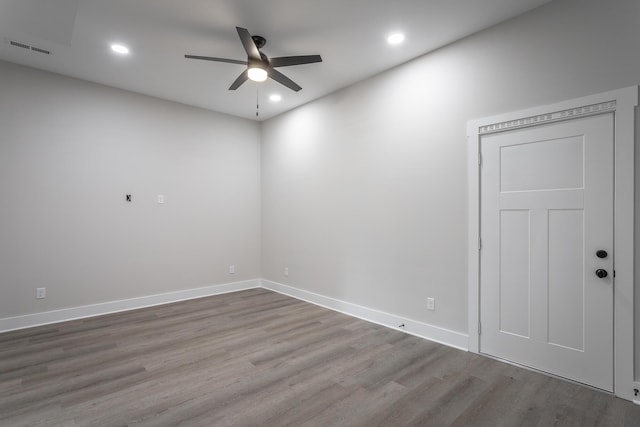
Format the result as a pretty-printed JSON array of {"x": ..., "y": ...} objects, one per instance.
[{"x": 257, "y": 358}]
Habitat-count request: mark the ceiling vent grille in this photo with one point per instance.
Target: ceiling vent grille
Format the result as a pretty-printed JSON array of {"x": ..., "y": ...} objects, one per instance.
[
  {"x": 29, "y": 47},
  {"x": 37, "y": 49},
  {"x": 18, "y": 44}
]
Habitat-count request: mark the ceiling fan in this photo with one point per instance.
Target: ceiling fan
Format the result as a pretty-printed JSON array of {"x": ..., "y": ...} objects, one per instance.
[{"x": 259, "y": 66}]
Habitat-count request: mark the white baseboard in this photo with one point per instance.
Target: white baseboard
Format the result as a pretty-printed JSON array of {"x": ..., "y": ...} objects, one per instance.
[
  {"x": 413, "y": 327},
  {"x": 48, "y": 317}
]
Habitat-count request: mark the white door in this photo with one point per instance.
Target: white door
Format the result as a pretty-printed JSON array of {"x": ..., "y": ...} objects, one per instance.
[{"x": 546, "y": 211}]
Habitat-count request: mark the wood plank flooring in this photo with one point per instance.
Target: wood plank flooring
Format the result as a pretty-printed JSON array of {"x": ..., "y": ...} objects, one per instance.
[{"x": 257, "y": 358}]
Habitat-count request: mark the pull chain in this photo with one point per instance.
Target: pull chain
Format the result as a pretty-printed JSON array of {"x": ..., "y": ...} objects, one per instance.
[{"x": 257, "y": 100}]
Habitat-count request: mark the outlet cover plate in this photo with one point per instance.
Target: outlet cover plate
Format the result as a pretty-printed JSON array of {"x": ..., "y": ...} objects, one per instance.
[{"x": 431, "y": 304}]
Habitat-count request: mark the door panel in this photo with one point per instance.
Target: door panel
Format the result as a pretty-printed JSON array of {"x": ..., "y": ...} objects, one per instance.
[
  {"x": 546, "y": 208},
  {"x": 566, "y": 278},
  {"x": 542, "y": 165},
  {"x": 514, "y": 269}
]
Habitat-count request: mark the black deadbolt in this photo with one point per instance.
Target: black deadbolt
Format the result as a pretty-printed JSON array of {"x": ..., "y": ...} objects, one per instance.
[
  {"x": 602, "y": 254},
  {"x": 601, "y": 273}
]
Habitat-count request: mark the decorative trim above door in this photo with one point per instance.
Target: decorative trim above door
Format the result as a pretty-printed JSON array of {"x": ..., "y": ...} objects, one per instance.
[{"x": 571, "y": 113}]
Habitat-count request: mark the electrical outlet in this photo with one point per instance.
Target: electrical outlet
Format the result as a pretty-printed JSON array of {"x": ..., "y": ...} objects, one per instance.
[
  {"x": 232, "y": 269},
  {"x": 286, "y": 271},
  {"x": 41, "y": 293},
  {"x": 431, "y": 304}
]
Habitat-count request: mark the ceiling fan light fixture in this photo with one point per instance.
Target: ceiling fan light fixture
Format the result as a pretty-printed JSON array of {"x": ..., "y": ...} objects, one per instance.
[
  {"x": 259, "y": 66},
  {"x": 257, "y": 74}
]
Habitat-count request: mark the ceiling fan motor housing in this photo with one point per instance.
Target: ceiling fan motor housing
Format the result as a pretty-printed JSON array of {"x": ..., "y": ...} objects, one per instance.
[
  {"x": 259, "y": 41},
  {"x": 258, "y": 63}
]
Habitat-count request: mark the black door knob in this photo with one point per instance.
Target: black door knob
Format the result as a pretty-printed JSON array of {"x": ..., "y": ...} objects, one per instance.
[
  {"x": 602, "y": 254},
  {"x": 601, "y": 273}
]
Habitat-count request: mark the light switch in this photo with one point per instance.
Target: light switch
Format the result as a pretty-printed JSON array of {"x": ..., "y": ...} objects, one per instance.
[{"x": 160, "y": 198}]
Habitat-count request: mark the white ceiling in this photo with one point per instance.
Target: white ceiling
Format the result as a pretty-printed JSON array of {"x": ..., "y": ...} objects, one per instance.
[{"x": 349, "y": 34}]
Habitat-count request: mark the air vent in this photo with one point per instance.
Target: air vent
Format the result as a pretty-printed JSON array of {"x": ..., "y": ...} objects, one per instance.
[
  {"x": 22, "y": 45},
  {"x": 29, "y": 47},
  {"x": 37, "y": 49}
]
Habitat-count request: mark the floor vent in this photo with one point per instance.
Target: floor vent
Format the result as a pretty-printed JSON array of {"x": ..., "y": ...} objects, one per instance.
[{"x": 29, "y": 47}]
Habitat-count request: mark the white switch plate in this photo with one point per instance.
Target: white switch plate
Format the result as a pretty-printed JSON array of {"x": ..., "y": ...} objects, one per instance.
[
  {"x": 160, "y": 198},
  {"x": 431, "y": 304},
  {"x": 41, "y": 293},
  {"x": 232, "y": 269},
  {"x": 286, "y": 271}
]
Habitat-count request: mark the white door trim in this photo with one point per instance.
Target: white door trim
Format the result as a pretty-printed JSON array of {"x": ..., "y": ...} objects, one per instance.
[{"x": 622, "y": 103}]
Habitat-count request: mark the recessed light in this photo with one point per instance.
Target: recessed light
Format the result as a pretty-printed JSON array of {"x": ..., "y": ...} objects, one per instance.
[
  {"x": 275, "y": 98},
  {"x": 396, "y": 38},
  {"x": 119, "y": 48}
]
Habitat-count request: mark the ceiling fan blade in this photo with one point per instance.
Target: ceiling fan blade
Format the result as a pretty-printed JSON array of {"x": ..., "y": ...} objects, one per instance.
[
  {"x": 248, "y": 43},
  {"x": 282, "y": 79},
  {"x": 285, "y": 61},
  {"x": 241, "y": 79},
  {"x": 211, "y": 58}
]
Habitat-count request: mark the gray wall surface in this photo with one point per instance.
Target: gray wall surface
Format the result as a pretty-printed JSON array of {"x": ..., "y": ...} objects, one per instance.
[
  {"x": 364, "y": 192},
  {"x": 71, "y": 150}
]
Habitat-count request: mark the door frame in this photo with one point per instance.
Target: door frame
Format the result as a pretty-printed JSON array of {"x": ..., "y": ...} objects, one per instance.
[{"x": 621, "y": 103}]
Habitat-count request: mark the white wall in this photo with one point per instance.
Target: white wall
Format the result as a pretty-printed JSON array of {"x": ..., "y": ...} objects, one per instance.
[
  {"x": 71, "y": 150},
  {"x": 364, "y": 192}
]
